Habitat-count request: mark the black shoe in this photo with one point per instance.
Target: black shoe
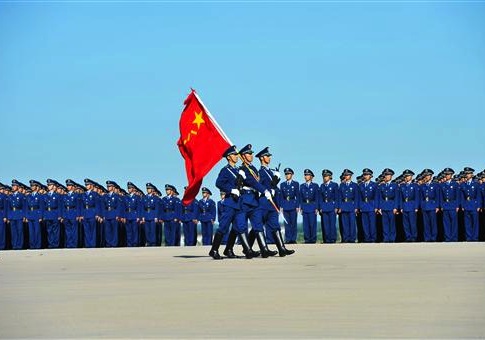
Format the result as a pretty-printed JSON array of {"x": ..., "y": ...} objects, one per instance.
[
  {"x": 280, "y": 244},
  {"x": 215, "y": 255},
  {"x": 248, "y": 252},
  {"x": 214, "y": 252}
]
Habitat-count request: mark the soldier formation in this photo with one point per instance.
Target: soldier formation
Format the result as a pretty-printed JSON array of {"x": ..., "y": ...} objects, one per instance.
[{"x": 429, "y": 208}]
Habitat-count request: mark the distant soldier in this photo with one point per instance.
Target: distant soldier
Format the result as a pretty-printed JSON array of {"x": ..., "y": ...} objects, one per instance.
[
  {"x": 150, "y": 214},
  {"x": 348, "y": 206},
  {"x": 71, "y": 214},
  {"x": 328, "y": 201},
  {"x": 290, "y": 203},
  {"x": 111, "y": 207},
  {"x": 369, "y": 202},
  {"x": 178, "y": 226},
  {"x": 471, "y": 203},
  {"x": 309, "y": 206},
  {"x": 3, "y": 216},
  {"x": 35, "y": 213},
  {"x": 430, "y": 203},
  {"x": 206, "y": 216},
  {"x": 90, "y": 213},
  {"x": 16, "y": 212},
  {"x": 53, "y": 214},
  {"x": 189, "y": 220},
  {"x": 388, "y": 204},
  {"x": 170, "y": 213},
  {"x": 450, "y": 204},
  {"x": 409, "y": 198},
  {"x": 133, "y": 207}
]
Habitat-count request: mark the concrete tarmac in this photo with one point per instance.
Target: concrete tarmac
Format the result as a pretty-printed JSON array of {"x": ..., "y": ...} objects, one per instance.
[{"x": 420, "y": 290}]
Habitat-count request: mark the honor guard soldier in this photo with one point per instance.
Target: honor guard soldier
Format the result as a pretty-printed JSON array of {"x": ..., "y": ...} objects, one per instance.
[
  {"x": 170, "y": 214},
  {"x": 290, "y": 203},
  {"x": 71, "y": 214},
  {"x": 53, "y": 214},
  {"x": 309, "y": 206},
  {"x": 269, "y": 214},
  {"x": 35, "y": 214},
  {"x": 16, "y": 212},
  {"x": 189, "y": 220},
  {"x": 328, "y": 200},
  {"x": 133, "y": 209},
  {"x": 150, "y": 213},
  {"x": 348, "y": 206},
  {"x": 471, "y": 203},
  {"x": 450, "y": 204},
  {"x": 3, "y": 216},
  {"x": 368, "y": 205},
  {"x": 388, "y": 204},
  {"x": 111, "y": 207},
  {"x": 430, "y": 203},
  {"x": 206, "y": 216},
  {"x": 90, "y": 213},
  {"x": 230, "y": 181},
  {"x": 409, "y": 198}
]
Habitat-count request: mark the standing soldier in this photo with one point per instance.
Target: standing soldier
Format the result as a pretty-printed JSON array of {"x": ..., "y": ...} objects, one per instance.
[
  {"x": 189, "y": 221},
  {"x": 290, "y": 202},
  {"x": 471, "y": 203},
  {"x": 150, "y": 213},
  {"x": 111, "y": 207},
  {"x": 90, "y": 213},
  {"x": 450, "y": 204},
  {"x": 132, "y": 215},
  {"x": 35, "y": 210},
  {"x": 3, "y": 216},
  {"x": 206, "y": 216},
  {"x": 71, "y": 214},
  {"x": 348, "y": 206},
  {"x": 16, "y": 212},
  {"x": 328, "y": 200},
  {"x": 309, "y": 206},
  {"x": 368, "y": 205},
  {"x": 409, "y": 198},
  {"x": 170, "y": 212},
  {"x": 430, "y": 203},
  {"x": 388, "y": 203},
  {"x": 178, "y": 209},
  {"x": 53, "y": 214}
]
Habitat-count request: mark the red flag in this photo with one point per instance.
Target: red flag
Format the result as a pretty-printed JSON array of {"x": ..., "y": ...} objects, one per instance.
[{"x": 201, "y": 143}]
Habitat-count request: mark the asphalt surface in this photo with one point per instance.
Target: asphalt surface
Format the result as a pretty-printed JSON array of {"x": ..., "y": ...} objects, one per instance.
[{"x": 323, "y": 291}]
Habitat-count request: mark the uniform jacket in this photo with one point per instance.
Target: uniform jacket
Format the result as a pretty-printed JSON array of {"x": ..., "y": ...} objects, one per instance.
[
  {"x": 35, "y": 206},
  {"x": 430, "y": 196},
  {"x": 190, "y": 212},
  {"x": 53, "y": 206},
  {"x": 252, "y": 189},
  {"x": 309, "y": 197},
  {"x": 266, "y": 179},
  {"x": 207, "y": 210},
  {"x": 90, "y": 204},
  {"x": 471, "y": 195},
  {"x": 150, "y": 206},
  {"x": 290, "y": 195},
  {"x": 226, "y": 181},
  {"x": 409, "y": 196},
  {"x": 388, "y": 196},
  {"x": 112, "y": 206},
  {"x": 71, "y": 206},
  {"x": 133, "y": 207},
  {"x": 349, "y": 196},
  {"x": 170, "y": 209},
  {"x": 369, "y": 196},
  {"x": 16, "y": 206},
  {"x": 329, "y": 196},
  {"x": 450, "y": 195}
]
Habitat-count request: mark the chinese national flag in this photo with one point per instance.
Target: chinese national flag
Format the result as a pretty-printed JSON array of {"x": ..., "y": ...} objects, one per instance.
[{"x": 201, "y": 143}]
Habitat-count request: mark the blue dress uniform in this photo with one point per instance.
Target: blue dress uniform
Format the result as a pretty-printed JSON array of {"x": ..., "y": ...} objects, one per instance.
[
  {"x": 170, "y": 212},
  {"x": 207, "y": 216},
  {"x": 3, "y": 216},
  {"x": 369, "y": 201},
  {"x": 16, "y": 212},
  {"x": 133, "y": 209},
  {"x": 309, "y": 193},
  {"x": 290, "y": 201},
  {"x": 388, "y": 200},
  {"x": 409, "y": 198},
  {"x": 450, "y": 203},
  {"x": 90, "y": 209},
  {"x": 189, "y": 214},
  {"x": 430, "y": 202},
  {"x": 328, "y": 200},
  {"x": 151, "y": 213},
  {"x": 471, "y": 203},
  {"x": 71, "y": 213},
  {"x": 349, "y": 202},
  {"x": 178, "y": 225},
  {"x": 111, "y": 205},
  {"x": 35, "y": 214},
  {"x": 52, "y": 214}
]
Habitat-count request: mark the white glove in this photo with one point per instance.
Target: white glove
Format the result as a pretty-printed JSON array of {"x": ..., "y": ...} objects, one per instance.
[
  {"x": 272, "y": 192},
  {"x": 242, "y": 173},
  {"x": 235, "y": 192},
  {"x": 277, "y": 174},
  {"x": 267, "y": 194}
]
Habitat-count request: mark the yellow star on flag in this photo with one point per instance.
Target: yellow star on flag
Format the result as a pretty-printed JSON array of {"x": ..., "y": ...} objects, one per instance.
[{"x": 198, "y": 119}]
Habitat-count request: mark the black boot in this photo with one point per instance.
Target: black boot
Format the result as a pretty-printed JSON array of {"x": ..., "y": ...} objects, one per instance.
[
  {"x": 231, "y": 240},
  {"x": 251, "y": 238},
  {"x": 280, "y": 244},
  {"x": 263, "y": 246},
  {"x": 245, "y": 244},
  {"x": 214, "y": 252}
]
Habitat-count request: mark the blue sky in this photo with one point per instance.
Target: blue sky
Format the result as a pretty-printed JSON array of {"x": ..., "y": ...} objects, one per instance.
[{"x": 96, "y": 89}]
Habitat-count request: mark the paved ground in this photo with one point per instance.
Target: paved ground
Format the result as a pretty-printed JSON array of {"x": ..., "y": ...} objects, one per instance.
[{"x": 360, "y": 290}]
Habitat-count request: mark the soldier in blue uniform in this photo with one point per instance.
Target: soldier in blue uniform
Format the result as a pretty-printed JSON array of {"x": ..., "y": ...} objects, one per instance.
[
  {"x": 178, "y": 225},
  {"x": 3, "y": 216},
  {"x": 35, "y": 211},
  {"x": 430, "y": 203},
  {"x": 450, "y": 204},
  {"x": 189, "y": 220},
  {"x": 150, "y": 213},
  {"x": 52, "y": 214},
  {"x": 369, "y": 202},
  {"x": 328, "y": 200},
  {"x": 348, "y": 206},
  {"x": 170, "y": 213},
  {"x": 111, "y": 207},
  {"x": 90, "y": 213},
  {"x": 16, "y": 212},
  {"x": 409, "y": 198},
  {"x": 471, "y": 204},
  {"x": 132, "y": 214},
  {"x": 388, "y": 204},
  {"x": 309, "y": 193},
  {"x": 206, "y": 216},
  {"x": 290, "y": 203},
  {"x": 71, "y": 214}
]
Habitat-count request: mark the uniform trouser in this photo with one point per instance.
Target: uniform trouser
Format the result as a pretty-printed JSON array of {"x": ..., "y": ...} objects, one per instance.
[
  {"x": 310, "y": 227},
  {"x": 111, "y": 232},
  {"x": 388, "y": 226},
  {"x": 450, "y": 225},
  {"x": 409, "y": 221},
  {"x": 150, "y": 228},
  {"x": 349, "y": 226},
  {"x": 178, "y": 234},
  {"x": 89, "y": 227},
  {"x": 190, "y": 233},
  {"x": 17, "y": 233},
  {"x": 53, "y": 233},
  {"x": 169, "y": 232},
  {"x": 471, "y": 225},
  {"x": 207, "y": 229},
  {"x": 369, "y": 226},
  {"x": 271, "y": 222},
  {"x": 291, "y": 228},
  {"x": 2, "y": 235},
  {"x": 100, "y": 234},
  {"x": 430, "y": 225},
  {"x": 35, "y": 239},
  {"x": 228, "y": 217},
  {"x": 329, "y": 226},
  {"x": 251, "y": 214},
  {"x": 132, "y": 236},
  {"x": 72, "y": 236}
]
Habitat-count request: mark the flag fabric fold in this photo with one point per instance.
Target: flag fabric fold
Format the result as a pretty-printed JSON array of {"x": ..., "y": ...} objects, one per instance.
[{"x": 202, "y": 143}]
